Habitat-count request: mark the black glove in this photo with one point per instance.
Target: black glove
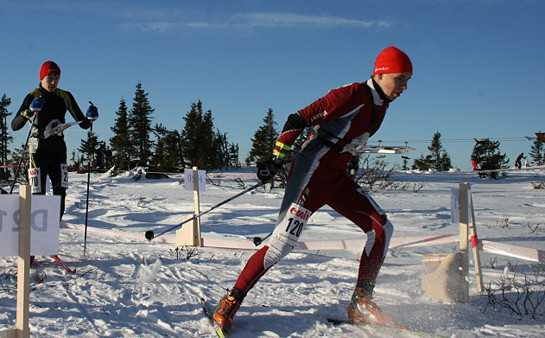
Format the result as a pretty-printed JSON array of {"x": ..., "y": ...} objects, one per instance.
[{"x": 266, "y": 170}]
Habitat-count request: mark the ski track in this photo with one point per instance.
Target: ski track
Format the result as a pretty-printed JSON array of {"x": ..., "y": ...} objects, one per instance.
[{"x": 138, "y": 289}]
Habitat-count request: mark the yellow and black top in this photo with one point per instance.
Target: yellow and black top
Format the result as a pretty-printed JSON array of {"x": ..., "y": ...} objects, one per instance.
[{"x": 53, "y": 113}]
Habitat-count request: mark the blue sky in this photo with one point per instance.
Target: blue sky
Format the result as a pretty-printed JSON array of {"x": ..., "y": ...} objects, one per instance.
[{"x": 479, "y": 65}]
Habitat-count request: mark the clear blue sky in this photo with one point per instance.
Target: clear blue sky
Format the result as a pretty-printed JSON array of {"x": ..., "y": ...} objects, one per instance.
[{"x": 479, "y": 65}]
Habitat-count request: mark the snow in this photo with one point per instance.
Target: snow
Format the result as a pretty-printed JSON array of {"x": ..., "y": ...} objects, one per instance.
[{"x": 127, "y": 286}]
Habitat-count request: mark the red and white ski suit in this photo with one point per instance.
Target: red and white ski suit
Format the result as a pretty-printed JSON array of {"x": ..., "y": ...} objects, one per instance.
[{"x": 342, "y": 120}]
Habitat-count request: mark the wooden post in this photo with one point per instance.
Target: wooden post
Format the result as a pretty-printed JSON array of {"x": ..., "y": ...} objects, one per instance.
[
  {"x": 190, "y": 235},
  {"x": 22, "y": 329},
  {"x": 475, "y": 247},
  {"x": 464, "y": 221},
  {"x": 197, "y": 202}
]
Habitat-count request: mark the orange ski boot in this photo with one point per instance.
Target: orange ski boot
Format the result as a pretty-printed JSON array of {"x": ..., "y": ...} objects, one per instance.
[
  {"x": 227, "y": 308},
  {"x": 362, "y": 309}
]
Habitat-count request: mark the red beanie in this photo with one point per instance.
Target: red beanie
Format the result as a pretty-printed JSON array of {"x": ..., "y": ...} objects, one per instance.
[
  {"x": 49, "y": 67},
  {"x": 392, "y": 60}
]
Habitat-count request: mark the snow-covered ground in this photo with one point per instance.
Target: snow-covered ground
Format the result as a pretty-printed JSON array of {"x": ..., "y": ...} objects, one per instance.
[{"x": 127, "y": 286}]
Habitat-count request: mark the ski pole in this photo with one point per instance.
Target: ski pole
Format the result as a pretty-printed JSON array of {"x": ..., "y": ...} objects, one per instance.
[
  {"x": 258, "y": 240},
  {"x": 92, "y": 114},
  {"x": 19, "y": 164},
  {"x": 150, "y": 234}
]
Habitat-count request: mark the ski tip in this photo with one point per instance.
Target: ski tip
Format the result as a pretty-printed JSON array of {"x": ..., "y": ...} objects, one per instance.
[{"x": 149, "y": 235}]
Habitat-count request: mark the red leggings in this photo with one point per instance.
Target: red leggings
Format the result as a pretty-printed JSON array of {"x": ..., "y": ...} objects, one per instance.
[{"x": 302, "y": 199}]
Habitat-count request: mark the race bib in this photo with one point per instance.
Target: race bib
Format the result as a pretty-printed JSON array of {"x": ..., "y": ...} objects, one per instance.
[
  {"x": 290, "y": 230},
  {"x": 35, "y": 180},
  {"x": 64, "y": 175}
]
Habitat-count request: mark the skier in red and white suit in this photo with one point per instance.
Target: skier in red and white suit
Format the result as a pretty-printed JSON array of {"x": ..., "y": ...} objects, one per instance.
[{"x": 342, "y": 121}]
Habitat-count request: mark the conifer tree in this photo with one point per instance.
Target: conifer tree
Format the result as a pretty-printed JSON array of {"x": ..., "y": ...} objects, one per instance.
[
  {"x": 233, "y": 155},
  {"x": 537, "y": 152},
  {"x": 488, "y": 157},
  {"x": 140, "y": 127},
  {"x": 168, "y": 150},
  {"x": 201, "y": 145},
  {"x": 5, "y": 138},
  {"x": 193, "y": 135},
  {"x": 263, "y": 140},
  {"x": 89, "y": 146},
  {"x": 120, "y": 142},
  {"x": 438, "y": 159}
]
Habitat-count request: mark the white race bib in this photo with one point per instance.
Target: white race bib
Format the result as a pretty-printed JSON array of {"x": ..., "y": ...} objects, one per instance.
[
  {"x": 35, "y": 180},
  {"x": 292, "y": 226},
  {"x": 64, "y": 175}
]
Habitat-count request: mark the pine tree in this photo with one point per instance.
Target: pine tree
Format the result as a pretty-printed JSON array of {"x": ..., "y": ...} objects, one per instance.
[
  {"x": 488, "y": 157},
  {"x": 438, "y": 159},
  {"x": 88, "y": 148},
  {"x": 537, "y": 152},
  {"x": 192, "y": 136},
  {"x": 140, "y": 127},
  {"x": 5, "y": 138},
  {"x": 120, "y": 142},
  {"x": 233, "y": 155},
  {"x": 263, "y": 140},
  {"x": 423, "y": 163},
  {"x": 168, "y": 150}
]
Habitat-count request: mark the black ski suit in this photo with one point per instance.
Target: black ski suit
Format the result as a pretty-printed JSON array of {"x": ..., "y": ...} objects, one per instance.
[{"x": 49, "y": 154}]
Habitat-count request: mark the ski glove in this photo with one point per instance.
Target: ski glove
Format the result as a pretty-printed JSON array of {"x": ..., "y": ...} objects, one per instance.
[
  {"x": 92, "y": 112},
  {"x": 266, "y": 170},
  {"x": 37, "y": 104}
]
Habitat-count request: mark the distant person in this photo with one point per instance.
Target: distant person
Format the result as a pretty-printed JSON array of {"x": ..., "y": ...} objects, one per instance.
[
  {"x": 474, "y": 164},
  {"x": 518, "y": 161},
  {"x": 45, "y": 108},
  {"x": 107, "y": 156},
  {"x": 100, "y": 163},
  {"x": 342, "y": 121}
]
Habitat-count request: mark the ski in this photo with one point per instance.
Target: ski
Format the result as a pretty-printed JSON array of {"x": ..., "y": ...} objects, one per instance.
[
  {"x": 394, "y": 328},
  {"x": 209, "y": 312},
  {"x": 57, "y": 259}
]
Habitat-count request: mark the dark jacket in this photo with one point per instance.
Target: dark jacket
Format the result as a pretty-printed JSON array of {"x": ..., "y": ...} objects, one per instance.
[{"x": 53, "y": 112}]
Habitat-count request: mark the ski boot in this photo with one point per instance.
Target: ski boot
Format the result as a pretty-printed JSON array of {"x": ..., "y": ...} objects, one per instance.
[
  {"x": 362, "y": 309},
  {"x": 227, "y": 308}
]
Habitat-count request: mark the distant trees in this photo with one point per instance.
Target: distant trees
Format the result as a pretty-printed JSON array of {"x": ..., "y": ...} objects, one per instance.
[
  {"x": 167, "y": 155},
  {"x": 5, "y": 138},
  {"x": 137, "y": 143},
  {"x": 121, "y": 142},
  {"x": 263, "y": 140},
  {"x": 202, "y": 146},
  {"x": 140, "y": 127},
  {"x": 537, "y": 152},
  {"x": 487, "y": 155},
  {"x": 438, "y": 159}
]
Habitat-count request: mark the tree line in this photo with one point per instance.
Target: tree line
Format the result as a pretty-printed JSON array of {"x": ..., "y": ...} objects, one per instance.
[
  {"x": 486, "y": 153},
  {"x": 137, "y": 142}
]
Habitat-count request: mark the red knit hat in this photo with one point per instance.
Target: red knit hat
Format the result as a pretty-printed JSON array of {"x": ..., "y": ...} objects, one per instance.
[
  {"x": 49, "y": 67},
  {"x": 392, "y": 60}
]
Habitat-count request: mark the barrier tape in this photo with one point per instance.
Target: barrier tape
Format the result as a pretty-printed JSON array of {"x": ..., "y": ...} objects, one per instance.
[{"x": 508, "y": 250}]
